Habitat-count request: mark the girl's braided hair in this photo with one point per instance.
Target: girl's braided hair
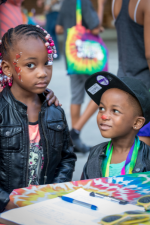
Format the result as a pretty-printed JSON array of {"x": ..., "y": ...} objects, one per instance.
[
  {"x": 13, "y": 35},
  {"x": 23, "y": 31}
]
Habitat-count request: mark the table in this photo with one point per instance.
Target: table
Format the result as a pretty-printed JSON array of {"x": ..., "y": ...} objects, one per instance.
[{"x": 128, "y": 187}]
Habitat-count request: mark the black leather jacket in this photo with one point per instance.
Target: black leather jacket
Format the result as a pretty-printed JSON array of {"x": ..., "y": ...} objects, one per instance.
[
  {"x": 92, "y": 168},
  {"x": 59, "y": 159}
]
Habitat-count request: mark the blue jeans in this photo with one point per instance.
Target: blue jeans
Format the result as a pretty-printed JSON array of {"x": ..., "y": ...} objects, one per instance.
[{"x": 51, "y": 19}]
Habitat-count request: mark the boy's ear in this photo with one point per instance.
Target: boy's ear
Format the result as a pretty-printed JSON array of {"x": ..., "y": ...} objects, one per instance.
[
  {"x": 6, "y": 68},
  {"x": 139, "y": 122}
]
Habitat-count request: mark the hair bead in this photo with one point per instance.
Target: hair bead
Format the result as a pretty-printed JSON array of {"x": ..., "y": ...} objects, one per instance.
[
  {"x": 46, "y": 44},
  {"x": 50, "y": 51},
  {"x": 55, "y": 55},
  {"x": 3, "y": 77},
  {"x": 50, "y": 63},
  {"x": 49, "y": 45}
]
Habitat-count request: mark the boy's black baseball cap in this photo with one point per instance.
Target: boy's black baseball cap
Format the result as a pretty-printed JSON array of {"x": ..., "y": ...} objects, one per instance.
[{"x": 99, "y": 82}]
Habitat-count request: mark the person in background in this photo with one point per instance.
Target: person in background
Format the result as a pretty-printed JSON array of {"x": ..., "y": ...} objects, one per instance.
[
  {"x": 7, "y": 19},
  {"x": 67, "y": 19},
  {"x": 51, "y": 9},
  {"x": 132, "y": 19}
]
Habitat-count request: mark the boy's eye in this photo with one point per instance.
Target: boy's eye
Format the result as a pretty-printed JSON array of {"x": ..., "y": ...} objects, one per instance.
[
  {"x": 101, "y": 109},
  {"x": 116, "y": 111},
  {"x": 30, "y": 65}
]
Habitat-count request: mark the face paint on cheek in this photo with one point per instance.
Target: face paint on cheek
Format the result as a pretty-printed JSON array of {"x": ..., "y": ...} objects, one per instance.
[
  {"x": 18, "y": 71},
  {"x": 19, "y": 76},
  {"x": 18, "y": 56},
  {"x": 17, "y": 68},
  {"x": 15, "y": 63}
]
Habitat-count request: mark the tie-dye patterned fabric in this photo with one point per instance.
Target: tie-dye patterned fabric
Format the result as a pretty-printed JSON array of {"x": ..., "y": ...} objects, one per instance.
[
  {"x": 128, "y": 187},
  {"x": 10, "y": 15},
  {"x": 85, "y": 52}
]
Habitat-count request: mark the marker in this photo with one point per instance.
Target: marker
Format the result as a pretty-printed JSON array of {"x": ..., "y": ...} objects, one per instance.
[
  {"x": 109, "y": 198},
  {"x": 71, "y": 200}
]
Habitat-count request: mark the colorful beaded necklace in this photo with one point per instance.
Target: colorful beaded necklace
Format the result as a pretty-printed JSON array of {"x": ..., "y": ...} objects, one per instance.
[{"x": 131, "y": 158}]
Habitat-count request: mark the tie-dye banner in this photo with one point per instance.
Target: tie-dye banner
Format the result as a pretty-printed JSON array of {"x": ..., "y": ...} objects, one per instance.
[
  {"x": 85, "y": 52},
  {"x": 128, "y": 187}
]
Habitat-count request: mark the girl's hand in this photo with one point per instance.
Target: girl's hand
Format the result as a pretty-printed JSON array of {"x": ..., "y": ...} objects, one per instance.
[
  {"x": 51, "y": 98},
  {"x": 10, "y": 205},
  {"x": 47, "y": 8},
  {"x": 39, "y": 3}
]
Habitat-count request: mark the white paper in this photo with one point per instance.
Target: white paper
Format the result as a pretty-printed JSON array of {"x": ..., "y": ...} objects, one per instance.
[{"x": 59, "y": 212}]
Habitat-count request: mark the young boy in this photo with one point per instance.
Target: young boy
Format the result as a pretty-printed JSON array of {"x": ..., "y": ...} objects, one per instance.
[{"x": 124, "y": 106}]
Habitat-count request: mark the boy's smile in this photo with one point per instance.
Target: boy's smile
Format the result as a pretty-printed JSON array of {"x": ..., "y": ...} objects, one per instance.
[{"x": 116, "y": 115}]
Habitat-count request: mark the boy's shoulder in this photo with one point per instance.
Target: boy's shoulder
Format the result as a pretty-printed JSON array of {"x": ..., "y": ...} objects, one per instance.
[{"x": 98, "y": 150}]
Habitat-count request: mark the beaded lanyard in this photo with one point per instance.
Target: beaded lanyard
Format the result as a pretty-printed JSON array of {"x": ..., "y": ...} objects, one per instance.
[{"x": 131, "y": 158}]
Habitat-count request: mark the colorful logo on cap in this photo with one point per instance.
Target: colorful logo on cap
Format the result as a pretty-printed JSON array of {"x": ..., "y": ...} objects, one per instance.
[{"x": 102, "y": 80}]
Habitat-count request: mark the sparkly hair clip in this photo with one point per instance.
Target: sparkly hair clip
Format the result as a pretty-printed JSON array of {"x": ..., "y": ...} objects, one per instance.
[
  {"x": 50, "y": 46},
  {"x": 4, "y": 80}
]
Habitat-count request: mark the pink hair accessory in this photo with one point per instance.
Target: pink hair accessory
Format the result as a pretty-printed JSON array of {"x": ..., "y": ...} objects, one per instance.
[
  {"x": 50, "y": 51},
  {"x": 46, "y": 44},
  {"x": 50, "y": 46},
  {"x": 47, "y": 36},
  {"x": 3, "y": 78}
]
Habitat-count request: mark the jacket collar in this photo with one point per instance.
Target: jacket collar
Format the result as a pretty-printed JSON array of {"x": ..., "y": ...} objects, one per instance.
[
  {"x": 140, "y": 165},
  {"x": 19, "y": 106}
]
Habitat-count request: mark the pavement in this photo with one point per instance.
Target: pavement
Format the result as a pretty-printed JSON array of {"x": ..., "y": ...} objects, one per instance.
[{"x": 60, "y": 84}]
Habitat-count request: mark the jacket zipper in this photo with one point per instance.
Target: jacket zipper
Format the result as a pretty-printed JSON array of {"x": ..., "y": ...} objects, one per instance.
[
  {"x": 45, "y": 177},
  {"x": 28, "y": 153}
]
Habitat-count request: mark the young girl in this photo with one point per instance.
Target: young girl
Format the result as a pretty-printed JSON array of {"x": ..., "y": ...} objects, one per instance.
[
  {"x": 124, "y": 106},
  {"x": 35, "y": 146}
]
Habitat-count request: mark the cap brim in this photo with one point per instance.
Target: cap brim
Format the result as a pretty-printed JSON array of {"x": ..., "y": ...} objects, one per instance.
[{"x": 99, "y": 82}]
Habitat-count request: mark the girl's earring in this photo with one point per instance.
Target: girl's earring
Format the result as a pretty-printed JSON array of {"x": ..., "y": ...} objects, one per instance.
[
  {"x": 9, "y": 74},
  {"x": 135, "y": 127}
]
